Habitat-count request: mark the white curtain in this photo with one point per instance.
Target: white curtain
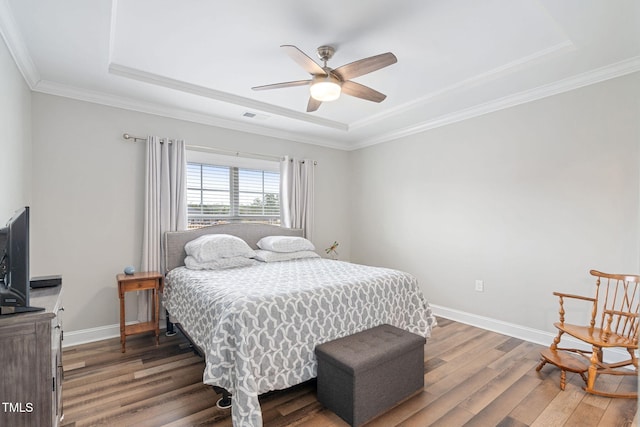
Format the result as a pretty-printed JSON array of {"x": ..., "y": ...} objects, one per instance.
[
  {"x": 296, "y": 194},
  {"x": 165, "y": 207}
]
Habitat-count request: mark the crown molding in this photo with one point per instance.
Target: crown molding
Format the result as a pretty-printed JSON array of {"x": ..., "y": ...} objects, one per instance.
[
  {"x": 57, "y": 89},
  {"x": 598, "y": 75},
  {"x": 182, "y": 86},
  {"x": 10, "y": 33},
  {"x": 13, "y": 39},
  {"x": 595, "y": 76},
  {"x": 493, "y": 74}
]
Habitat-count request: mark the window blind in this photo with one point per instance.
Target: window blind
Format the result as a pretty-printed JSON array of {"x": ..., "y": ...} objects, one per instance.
[{"x": 218, "y": 193}]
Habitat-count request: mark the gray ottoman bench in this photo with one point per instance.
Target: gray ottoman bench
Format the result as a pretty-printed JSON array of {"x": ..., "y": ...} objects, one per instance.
[{"x": 364, "y": 374}]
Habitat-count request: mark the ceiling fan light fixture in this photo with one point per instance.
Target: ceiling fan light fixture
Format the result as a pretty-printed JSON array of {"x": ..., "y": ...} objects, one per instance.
[{"x": 325, "y": 88}]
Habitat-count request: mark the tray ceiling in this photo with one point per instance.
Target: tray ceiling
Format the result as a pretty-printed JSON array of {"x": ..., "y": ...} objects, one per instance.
[{"x": 197, "y": 60}]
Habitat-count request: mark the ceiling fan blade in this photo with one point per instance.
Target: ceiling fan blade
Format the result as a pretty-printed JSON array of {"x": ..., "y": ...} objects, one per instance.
[
  {"x": 284, "y": 84},
  {"x": 303, "y": 60},
  {"x": 313, "y": 104},
  {"x": 365, "y": 66},
  {"x": 362, "y": 91}
]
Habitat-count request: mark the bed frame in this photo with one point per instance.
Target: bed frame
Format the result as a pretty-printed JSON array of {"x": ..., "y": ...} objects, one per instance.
[
  {"x": 251, "y": 233},
  {"x": 174, "y": 255}
]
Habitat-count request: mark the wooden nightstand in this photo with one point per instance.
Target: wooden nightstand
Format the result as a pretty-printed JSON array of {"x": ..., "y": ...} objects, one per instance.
[{"x": 153, "y": 281}]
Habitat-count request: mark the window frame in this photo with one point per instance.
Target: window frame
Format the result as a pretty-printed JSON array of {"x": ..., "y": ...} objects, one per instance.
[{"x": 235, "y": 164}]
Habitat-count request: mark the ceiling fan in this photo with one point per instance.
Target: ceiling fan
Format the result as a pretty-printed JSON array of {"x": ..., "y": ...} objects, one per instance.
[{"x": 326, "y": 83}]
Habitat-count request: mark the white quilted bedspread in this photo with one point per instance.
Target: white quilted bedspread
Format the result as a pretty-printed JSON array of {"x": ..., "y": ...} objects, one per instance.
[{"x": 259, "y": 325}]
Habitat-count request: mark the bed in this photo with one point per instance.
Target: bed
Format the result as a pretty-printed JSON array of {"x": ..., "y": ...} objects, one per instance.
[{"x": 257, "y": 326}]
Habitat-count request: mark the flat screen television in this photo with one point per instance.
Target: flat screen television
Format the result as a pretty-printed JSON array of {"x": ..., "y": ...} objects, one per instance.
[{"x": 14, "y": 264}]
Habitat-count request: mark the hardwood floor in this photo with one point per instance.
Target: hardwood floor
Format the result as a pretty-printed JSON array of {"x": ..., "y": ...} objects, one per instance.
[{"x": 473, "y": 377}]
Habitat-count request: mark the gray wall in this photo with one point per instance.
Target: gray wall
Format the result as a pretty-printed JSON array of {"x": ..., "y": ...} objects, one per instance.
[
  {"x": 15, "y": 137},
  {"x": 528, "y": 199},
  {"x": 88, "y": 197}
]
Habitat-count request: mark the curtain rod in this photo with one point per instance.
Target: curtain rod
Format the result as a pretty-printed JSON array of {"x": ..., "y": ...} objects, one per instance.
[{"x": 212, "y": 150}]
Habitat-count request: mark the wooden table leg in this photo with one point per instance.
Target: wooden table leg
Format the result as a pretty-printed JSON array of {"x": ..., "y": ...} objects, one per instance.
[
  {"x": 156, "y": 314},
  {"x": 122, "y": 335}
]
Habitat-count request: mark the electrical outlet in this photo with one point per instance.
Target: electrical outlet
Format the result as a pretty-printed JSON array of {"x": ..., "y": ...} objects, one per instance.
[{"x": 479, "y": 285}]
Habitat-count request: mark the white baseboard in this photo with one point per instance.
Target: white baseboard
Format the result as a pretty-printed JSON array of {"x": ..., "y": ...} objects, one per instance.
[
  {"x": 510, "y": 329},
  {"x": 100, "y": 333},
  {"x": 522, "y": 332}
]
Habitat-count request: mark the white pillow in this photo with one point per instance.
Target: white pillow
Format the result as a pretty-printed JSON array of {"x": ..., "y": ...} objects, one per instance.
[
  {"x": 285, "y": 244},
  {"x": 218, "y": 264},
  {"x": 215, "y": 246},
  {"x": 270, "y": 256}
]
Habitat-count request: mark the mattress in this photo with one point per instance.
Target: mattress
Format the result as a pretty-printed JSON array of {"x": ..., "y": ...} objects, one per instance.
[{"x": 258, "y": 326}]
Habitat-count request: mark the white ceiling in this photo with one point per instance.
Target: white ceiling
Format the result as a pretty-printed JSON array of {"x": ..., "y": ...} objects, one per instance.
[{"x": 197, "y": 60}]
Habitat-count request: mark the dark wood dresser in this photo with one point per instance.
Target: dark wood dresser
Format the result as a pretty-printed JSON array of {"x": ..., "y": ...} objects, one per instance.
[{"x": 31, "y": 363}]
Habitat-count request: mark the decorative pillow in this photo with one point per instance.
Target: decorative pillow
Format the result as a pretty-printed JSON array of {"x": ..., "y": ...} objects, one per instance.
[
  {"x": 215, "y": 246},
  {"x": 270, "y": 256},
  {"x": 285, "y": 244},
  {"x": 218, "y": 264}
]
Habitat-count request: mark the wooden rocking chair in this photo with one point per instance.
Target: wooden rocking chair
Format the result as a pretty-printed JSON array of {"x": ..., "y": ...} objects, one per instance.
[{"x": 614, "y": 323}]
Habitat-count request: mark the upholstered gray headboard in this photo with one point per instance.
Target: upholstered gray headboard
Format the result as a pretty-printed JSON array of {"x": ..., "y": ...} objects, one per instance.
[{"x": 251, "y": 233}]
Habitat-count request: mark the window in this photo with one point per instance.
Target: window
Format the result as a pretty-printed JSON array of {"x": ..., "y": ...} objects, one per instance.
[{"x": 219, "y": 194}]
